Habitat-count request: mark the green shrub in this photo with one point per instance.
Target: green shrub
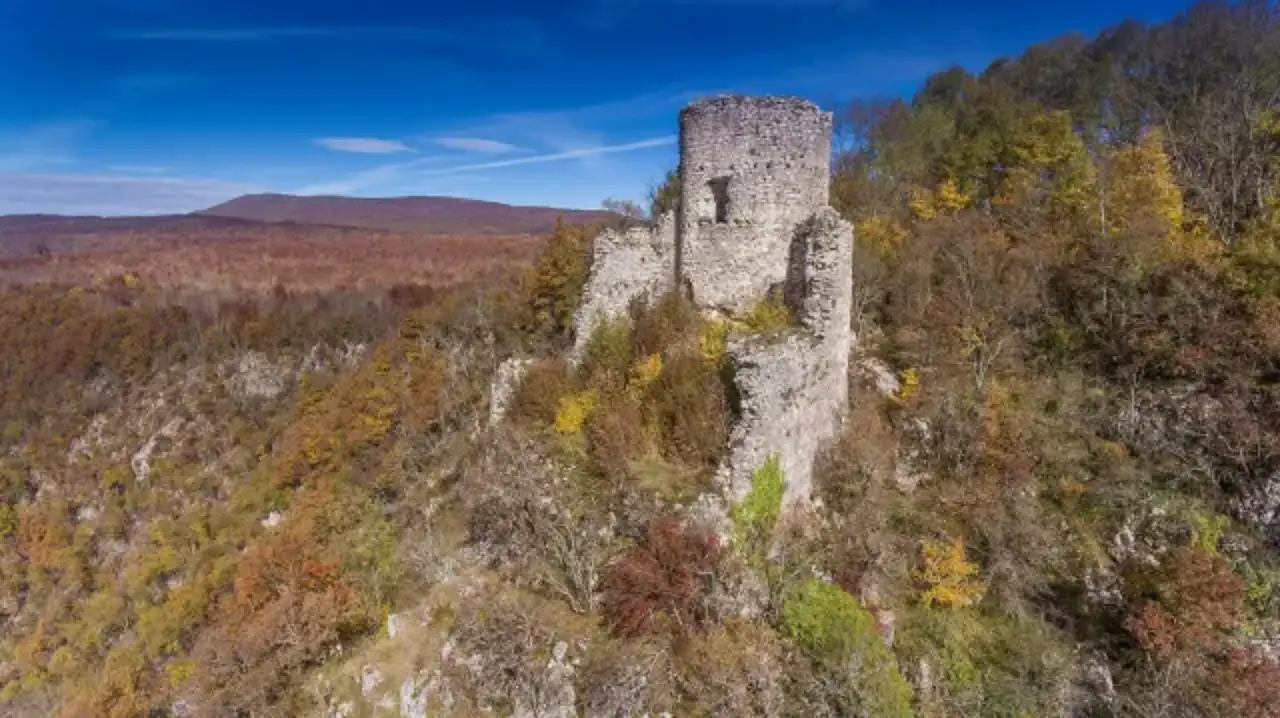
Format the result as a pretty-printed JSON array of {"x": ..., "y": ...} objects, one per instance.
[
  {"x": 769, "y": 314},
  {"x": 606, "y": 360},
  {"x": 665, "y": 196},
  {"x": 663, "y": 324},
  {"x": 8, "y": 520},
  {"x": 538, "y": 395},
  {"x": 840, "y": 639},
  {"x": 755, "y": 517},
  {"x": 689, "y": 410},
  {"x": 1000, "y": 666},
  {"x": 1207, "y": 530},
  {"x": 615, "y": 437}
]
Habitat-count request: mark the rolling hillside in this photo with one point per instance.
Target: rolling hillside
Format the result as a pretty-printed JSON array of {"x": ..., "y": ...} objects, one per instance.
[{"x": 432, "y": 215}]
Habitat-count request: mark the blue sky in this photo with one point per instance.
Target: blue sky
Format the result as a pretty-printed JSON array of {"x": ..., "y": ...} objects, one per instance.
[{"x": 157, "y": 106}]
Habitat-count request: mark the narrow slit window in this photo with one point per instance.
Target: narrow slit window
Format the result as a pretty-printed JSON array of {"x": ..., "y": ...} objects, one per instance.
[{"x": 720, "y": 194}]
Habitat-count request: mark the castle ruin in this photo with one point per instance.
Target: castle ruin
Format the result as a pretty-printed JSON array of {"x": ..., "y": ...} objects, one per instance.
[{"x": 753, "y": 218}]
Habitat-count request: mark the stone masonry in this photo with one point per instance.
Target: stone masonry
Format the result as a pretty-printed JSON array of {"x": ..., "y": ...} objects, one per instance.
[
  {"x": 626, "y": 264},
  {"x": 754, "y": 216},
  {"x": 752, "y": 169}
]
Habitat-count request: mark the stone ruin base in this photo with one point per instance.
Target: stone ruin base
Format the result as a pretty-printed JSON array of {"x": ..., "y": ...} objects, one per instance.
[{"x": 793, "y": 389}]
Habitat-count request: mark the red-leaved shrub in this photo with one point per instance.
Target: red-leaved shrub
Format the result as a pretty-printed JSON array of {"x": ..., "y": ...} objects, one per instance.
[
  {"x": 662, "y": 581},
  {"x": 1196, "y": 602}
]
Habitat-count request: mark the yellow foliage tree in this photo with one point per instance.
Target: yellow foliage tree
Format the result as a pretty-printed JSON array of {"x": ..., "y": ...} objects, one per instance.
[
  {"x": 574, "y": 410},
  {"x": 929, "y": 204},
  {"x": 1141, "y": 194},
  {"x": 1141, "y": 187},
  {"x": 644, "y": 373},
  {"x": 950, "y": 579},
  {"x": 559, "y": 275},
  {"x": 1047, "y": 164}
]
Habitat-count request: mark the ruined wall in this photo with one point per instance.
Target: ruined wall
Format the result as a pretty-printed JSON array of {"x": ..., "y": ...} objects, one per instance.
[
  {"x": 754, "y": 214},
  {"x": 752, "y": 169},
  {"x": 625, "y": 264},
  {"x": 794, "y": 388}
]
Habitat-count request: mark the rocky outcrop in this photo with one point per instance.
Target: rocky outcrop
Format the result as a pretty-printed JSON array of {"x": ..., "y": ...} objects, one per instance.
[{"x": 502, "y": 390}]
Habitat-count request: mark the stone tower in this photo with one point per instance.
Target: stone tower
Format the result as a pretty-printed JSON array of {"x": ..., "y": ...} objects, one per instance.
[
  {"x": 754, "y": 216},
  {"x": 752, "y": 170}
]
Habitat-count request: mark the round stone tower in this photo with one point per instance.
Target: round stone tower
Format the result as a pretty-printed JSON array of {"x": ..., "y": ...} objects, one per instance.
[{"x": 752, "y": 169}]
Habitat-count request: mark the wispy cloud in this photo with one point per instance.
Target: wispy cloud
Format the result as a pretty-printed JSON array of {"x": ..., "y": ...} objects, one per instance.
[
  {"x": 476, "y": 144},
  {"x": 784, "y": 4},
  {"x": 139, "y": 169},
  {"x": 565, "y": 129},
  {"x": 510, "y": 38},
  {"x": 53, "y": 143},
  {"x": 577, "y": 133},
  {"x": 381, "y": 176},
  {"x": 364, "y": 145},
  {"x": 567, "y": 155},
  {"x": 246, "y": 34},
  {"x": 95, "y": 194},
  {"x": 386, "y": 177}
]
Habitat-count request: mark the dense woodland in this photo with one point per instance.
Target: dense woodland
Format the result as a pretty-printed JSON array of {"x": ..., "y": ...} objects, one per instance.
[{"x": 1058, "y": 492}]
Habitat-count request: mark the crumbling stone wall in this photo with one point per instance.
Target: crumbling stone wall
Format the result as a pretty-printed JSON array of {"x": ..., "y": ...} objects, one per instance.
[
  {"x": 754, "y": 215},
  {"x": 793, "y": 389},
  {"x": 752, "y": 169},
  {"x": 626, "y": 264}
]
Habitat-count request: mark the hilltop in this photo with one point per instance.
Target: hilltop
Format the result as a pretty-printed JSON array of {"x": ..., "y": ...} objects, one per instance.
[
  {"x": 430, "y": 215},
  {"x": 257, "y": 242}
]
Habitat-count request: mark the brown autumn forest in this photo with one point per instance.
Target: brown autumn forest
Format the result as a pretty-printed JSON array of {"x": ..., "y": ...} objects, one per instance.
[
  {"x": 1057, "y": 492},
  {"x": 260, "y": 243}
]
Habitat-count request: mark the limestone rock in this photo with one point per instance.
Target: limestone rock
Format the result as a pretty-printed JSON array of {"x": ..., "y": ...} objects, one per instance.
[
  {"x": 502, "y": 391},
  {"x": 370, "y": 678},
  {"x": 880, "y": 376},
  {"x": 255, "y": 376},
  {"x": 413, "y": 699},
  {"x": 141, "y": 460}
]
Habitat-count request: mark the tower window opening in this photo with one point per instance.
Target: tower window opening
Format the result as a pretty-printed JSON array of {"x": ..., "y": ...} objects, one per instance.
[{"x": 720, "y": 193}]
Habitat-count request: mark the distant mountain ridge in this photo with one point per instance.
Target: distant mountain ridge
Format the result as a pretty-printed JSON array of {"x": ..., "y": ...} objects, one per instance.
[{"x": 430, "y": 215}]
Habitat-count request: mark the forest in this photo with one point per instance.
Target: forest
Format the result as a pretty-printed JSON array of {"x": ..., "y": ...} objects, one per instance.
[{"x": 1057, "y": 492}]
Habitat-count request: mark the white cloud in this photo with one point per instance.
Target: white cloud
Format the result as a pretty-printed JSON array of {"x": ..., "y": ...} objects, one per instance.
[
  {"x": 584, "y": 152},
  {"x": 380, "y": 176},
  {"x": 476, "y": 144},
  {"x": 364, "y": 145},
  {"x": 567, "y": 129},
  {"x": 102, "y": 194}
]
